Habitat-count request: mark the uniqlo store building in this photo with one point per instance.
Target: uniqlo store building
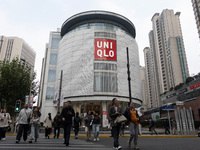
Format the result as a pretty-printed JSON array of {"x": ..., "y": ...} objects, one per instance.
[{"x": 92, "y": 55}]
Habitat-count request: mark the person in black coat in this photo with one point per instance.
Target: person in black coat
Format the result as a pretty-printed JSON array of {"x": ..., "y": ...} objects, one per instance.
[
  {"x": 66, "y": 115},
  {"x": 114, "y": 112},
  {"x": 77, "y": 123}
]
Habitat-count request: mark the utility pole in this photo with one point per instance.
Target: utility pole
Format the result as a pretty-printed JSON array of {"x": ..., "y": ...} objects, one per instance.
[
  {"x": 60, "y": 88},
  {"x": 129, "y": 78}
]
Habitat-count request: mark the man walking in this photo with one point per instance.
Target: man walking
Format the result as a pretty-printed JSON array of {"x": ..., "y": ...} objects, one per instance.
[
  {"x": 132, "y": 116},
  {"x": 66, "y": 115},
  {"x": 152, "y": 126},
  {"x": 23, "y": 121}
]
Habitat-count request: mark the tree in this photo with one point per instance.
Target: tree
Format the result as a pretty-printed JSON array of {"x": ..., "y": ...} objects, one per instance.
[
  {"x": 189, "y": 79},
  {"x": 16, "y": 81}
]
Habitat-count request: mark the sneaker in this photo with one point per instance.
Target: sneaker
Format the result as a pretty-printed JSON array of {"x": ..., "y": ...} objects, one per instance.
[
  {"x": 3, "y": 139},
  {"x": 95, "y": 140},
  {"x": 136, "y": 147},
  {"x": 17, "y": 141},
  {"x": 30, "y": 141},
  {"x": 119, "y": 147}
]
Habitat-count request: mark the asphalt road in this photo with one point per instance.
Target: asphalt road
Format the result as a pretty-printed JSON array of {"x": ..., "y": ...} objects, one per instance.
[{"x": 105, "y": 143}]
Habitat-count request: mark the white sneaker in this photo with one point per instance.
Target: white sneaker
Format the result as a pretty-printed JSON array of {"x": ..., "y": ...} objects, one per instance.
[
  {"x": 97, "y": 139},
  {"x": 94, "y": 140},
  {"x": 3, "y": 139},
  {"x": 119, "y": 147}
]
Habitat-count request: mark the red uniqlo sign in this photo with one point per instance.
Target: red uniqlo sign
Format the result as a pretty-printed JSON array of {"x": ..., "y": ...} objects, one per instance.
[
  {"x": 105, "y": 49},
  {"x": 195, "y": 86}
]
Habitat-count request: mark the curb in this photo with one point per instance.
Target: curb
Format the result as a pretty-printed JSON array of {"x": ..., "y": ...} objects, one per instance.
[{"x": 127, "y": 136}]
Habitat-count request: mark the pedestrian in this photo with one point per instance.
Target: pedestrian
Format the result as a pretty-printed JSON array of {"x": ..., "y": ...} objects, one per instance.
[
  {"x": 95, "y": 125},
  {"x": 77, "y": 124},
  {"x": 88, "y": 125},
  {"x": 166, "y": 126},
  {"x": 57, "y": 122},
  {"x": 66, "y": 115},
  {"x": 152, "y": 126},
  {"x": 174, "y": 127},
  {"x": 132, "y": 116},
  {"x": 48, "y": 125},
  {"x": 23, "y": 121},
  {"x": 114, "y": 112},
  {"x": 4, "y": 123},
  {"x": 35, "y": 124}
]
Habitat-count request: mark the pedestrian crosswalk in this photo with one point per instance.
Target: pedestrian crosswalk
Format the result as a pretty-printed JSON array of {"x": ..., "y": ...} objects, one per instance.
[{"x": 52, "y": 144}]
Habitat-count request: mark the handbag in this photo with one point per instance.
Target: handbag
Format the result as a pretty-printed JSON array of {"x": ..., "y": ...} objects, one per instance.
[{"x": 120, "y": 119}]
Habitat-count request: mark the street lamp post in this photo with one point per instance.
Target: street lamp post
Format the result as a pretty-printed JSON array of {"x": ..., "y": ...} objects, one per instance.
[{"x": 129, "y": 78}]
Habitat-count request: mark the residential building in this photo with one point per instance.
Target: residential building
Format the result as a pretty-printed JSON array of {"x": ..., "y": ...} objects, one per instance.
[
  {"x": 12, "y": 47},
  {"x": 196, "y": 8}
]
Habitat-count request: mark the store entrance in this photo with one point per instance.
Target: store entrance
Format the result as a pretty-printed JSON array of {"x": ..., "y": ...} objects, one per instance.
[{"x": 93, "y": 106}]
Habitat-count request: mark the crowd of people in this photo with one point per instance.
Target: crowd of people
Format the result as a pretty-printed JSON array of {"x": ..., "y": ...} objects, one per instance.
[{"x": 29, "y": 120}]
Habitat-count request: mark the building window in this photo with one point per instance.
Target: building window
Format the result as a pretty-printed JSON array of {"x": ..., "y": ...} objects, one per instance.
[
  {"x": 52, "y": 75},
  {"x": 53, "y": 59},
  {"x": 55, "y": 42},
  {"x": 105, "y": 77},
  {"x": 50, "y": 93}
]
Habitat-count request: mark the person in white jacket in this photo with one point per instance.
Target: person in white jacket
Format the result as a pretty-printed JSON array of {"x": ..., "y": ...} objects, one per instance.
[
  {"x": 23, "y": 121},
  {"x": 4, "y": 123}
]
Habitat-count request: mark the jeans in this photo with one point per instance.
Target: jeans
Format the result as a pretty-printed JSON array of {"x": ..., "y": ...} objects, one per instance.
[
  {"x": 134, "y": 129},
  {"x": 95, "y": 128},
  {"x": 34, "y": 131},
  {"x": 115, "y": 133},
  {"x": 67, "y": 129},
  {"x": 22, "y": 128},
  {"x": 58, "y": 133}
]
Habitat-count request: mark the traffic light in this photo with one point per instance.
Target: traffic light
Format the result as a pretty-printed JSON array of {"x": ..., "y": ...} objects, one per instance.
[{"x": 17, "y": 105}]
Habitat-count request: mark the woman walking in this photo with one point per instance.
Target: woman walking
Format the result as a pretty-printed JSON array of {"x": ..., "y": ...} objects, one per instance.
[
  {"x": 88, "y": 125},
  {"x": 35, "y": 124},
  {"x": 48, "y": 125},
  {"x": 95, "y": 126},
  {"x": 4, "y": 123}
]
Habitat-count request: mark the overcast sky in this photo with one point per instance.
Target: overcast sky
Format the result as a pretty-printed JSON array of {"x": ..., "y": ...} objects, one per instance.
[{"x": 32, "y": 20}]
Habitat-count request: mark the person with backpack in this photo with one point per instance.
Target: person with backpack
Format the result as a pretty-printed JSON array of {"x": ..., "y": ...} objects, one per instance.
[
  {"x": 77, "y": 124},
  {"x": 23, "y": 121},
  {"x": 132, "y": 116},
  {"x": 57, "y": 122}
]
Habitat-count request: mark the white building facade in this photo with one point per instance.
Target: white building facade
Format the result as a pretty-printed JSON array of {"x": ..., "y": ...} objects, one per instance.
[{"x": 92, "y": 56}]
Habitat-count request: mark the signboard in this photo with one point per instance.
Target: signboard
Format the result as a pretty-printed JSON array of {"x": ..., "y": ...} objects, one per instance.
[
  {"x": 195, "y": 86},
  {"x": 105, "y": 49},
  {"x": 155, "y": 116},
  {"x": 168, "y": 108},
  {"x": 104, "y": 112}
]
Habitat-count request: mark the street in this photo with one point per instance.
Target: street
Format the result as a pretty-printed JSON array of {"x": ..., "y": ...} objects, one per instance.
[{"x": 105, "y": 143}]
